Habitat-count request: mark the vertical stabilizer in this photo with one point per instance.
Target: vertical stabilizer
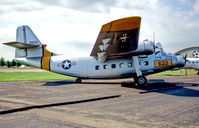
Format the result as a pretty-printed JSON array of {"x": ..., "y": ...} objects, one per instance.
[{"x": 26, "y": 35}]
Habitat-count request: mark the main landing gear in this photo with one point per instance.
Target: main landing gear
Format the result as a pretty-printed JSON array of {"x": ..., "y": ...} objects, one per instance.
[
  {"x": 140, "y": 80},
  {"x": 78, "y": 80}
]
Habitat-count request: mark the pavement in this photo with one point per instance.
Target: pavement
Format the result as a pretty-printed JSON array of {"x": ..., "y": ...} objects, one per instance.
[{"x": 168, "y": 102}]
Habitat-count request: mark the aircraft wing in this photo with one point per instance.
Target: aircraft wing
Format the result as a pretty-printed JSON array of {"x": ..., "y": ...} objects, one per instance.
[
  {"x": 117, "y": 38},
  {"x": 190, "y": 52}
]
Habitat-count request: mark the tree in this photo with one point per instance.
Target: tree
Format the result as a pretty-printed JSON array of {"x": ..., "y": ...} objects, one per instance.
[
  {"x": 2, "y": 62},
  {"x": 18, "y": 63},
  {"x": 13, "y": 63},
  {"x": 8, "y": 63}
]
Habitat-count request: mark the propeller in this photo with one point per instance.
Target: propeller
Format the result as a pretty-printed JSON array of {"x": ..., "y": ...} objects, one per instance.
[{"x": 185, "y": 57}]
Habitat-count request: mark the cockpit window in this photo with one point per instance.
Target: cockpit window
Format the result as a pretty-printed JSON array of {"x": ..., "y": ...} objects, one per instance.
[{"x": 160, "y": 54}]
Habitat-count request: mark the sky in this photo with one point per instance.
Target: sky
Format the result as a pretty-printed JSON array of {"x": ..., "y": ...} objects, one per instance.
[{"x": 71, "y": 27}]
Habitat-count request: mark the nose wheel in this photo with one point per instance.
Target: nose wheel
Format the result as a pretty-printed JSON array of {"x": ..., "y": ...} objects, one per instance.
[{"x": 141, "y": 80}]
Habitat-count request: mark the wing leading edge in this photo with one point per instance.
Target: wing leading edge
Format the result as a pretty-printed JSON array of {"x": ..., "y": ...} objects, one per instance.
[{"x": 117, "y": 38}]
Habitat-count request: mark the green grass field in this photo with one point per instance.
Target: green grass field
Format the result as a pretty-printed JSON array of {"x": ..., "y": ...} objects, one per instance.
[
  {"x": 36, "y": 76},
  {"x": 175, "y": 73},
  {"x": 31, "y": 76}
]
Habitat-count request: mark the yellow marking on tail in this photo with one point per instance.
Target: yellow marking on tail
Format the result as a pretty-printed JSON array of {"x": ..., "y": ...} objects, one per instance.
[
  {"x": 45, "y": 61},
  {"x": 123, "y": 24}
]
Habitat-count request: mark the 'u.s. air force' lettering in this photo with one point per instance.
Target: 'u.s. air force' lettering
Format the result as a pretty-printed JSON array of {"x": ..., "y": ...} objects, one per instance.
[{"x": 66, "y": 64}]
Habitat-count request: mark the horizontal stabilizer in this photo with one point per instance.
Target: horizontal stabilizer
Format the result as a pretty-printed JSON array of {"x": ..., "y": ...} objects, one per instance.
[{"x": 20, "y": 45}]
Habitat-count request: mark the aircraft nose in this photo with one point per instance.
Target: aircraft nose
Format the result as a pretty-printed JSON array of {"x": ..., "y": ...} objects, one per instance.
[{"x": 181, "y": 60}]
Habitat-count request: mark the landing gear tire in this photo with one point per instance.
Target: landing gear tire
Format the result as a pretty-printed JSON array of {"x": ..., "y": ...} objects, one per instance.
[
  {"x": 78, "y": 80},
  {"x": 141, "y": 80}
]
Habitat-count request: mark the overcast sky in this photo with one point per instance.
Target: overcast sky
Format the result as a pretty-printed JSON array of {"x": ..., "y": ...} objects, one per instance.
[{"x": 72, "y": 26}]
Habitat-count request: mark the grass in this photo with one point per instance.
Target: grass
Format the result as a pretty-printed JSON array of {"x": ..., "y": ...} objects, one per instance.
[
  {"x": 31, "y": 76},
  {"x": 175, "y": 73},
  {"x": 36, "y": 76}
]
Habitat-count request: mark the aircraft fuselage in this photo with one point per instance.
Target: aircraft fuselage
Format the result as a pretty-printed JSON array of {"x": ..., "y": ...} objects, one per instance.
[{"x": 89, "y": 67}]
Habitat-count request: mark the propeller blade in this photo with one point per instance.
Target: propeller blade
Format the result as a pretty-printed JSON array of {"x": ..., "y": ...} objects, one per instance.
[{"x": 185, "y": 56}]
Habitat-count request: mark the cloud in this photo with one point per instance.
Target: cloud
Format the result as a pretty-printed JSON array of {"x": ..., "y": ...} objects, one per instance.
[
  {"x": 82, "y": 5},
  {"x": 13, "y": 6},
  {"x": 77, "y": 22},
  {"x": 74, "y": 48}
]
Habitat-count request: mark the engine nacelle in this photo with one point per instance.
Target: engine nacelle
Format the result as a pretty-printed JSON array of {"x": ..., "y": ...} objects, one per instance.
[{"x": 145, "y": 48}]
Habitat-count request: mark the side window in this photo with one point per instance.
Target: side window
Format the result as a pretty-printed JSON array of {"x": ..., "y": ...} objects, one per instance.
[
  {"x": 105, "y": 66},
  {"x": 113, "y": 66},
  {"x": 97, "y": 67},
  {"x": 121, "y": 65},
  {"x": 129, "y": 64},
  {"x": 146, "y": 63}
]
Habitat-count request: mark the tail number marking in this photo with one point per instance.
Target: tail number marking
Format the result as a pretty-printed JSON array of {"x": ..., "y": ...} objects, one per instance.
[{"x": 162, "y": 63}]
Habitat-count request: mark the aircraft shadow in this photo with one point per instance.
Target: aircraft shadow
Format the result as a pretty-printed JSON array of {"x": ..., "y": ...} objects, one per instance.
[
  {"x": 65, "y": 82},
  {"x": 59, "y": 83},
  {"x": 176, "y": 89},
  {"x": 154, "y": 85}
]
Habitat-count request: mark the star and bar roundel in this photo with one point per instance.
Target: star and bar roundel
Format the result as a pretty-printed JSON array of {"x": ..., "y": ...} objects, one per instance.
[
  {"x": 66, "y": 64},
  {"x": 196, "y": 54}
]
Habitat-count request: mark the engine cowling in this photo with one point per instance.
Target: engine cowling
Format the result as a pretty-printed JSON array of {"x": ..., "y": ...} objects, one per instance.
[{"x": 144, "y": 48}]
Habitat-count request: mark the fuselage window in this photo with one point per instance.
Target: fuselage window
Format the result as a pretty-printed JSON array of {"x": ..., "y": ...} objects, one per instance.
[
  {"x": 113, "y": 66},
  {"x": 129, "y": 64},
  {"x": 97, "y": 67},
  {"x": 121, "y": 65},
  {"x": 105, "y": 66},
  {"x": 146, "y": 63}
]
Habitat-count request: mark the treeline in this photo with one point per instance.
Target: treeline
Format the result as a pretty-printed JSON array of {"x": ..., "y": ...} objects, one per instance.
[{"x": 8, "y": 63}]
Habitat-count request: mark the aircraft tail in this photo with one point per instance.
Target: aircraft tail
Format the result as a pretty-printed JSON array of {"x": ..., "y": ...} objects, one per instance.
[
  {"x": 27, "y": 44},
  {"x": 29, "y": 49}
]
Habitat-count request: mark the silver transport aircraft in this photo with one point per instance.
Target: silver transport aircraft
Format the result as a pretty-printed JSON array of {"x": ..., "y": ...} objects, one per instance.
[{"x": 116, "y": 54}]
